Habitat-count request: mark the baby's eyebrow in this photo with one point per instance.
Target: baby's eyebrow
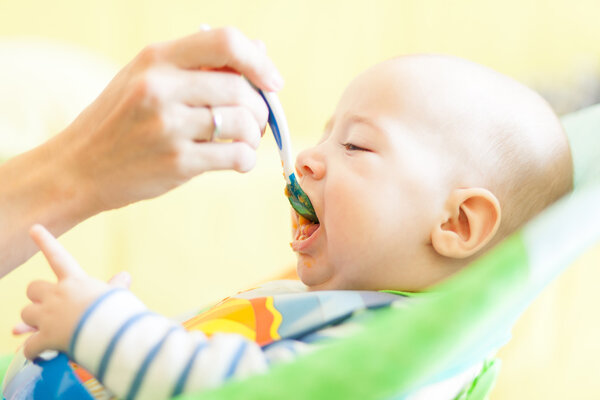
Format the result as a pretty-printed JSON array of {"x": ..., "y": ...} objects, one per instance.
[
  {"x": 354, "y": 119},
  {"x": 359, "y": 119}
]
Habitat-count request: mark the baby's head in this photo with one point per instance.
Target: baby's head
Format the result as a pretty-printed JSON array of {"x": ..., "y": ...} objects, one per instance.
[{"x": 426, "y": 162}]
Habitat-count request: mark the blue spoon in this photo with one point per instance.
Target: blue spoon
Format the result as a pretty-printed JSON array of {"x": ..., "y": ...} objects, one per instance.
[{"x": 298, "y": 199}]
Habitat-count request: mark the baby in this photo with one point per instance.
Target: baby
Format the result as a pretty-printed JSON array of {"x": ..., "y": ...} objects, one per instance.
[{"x": 427, "y": 162}]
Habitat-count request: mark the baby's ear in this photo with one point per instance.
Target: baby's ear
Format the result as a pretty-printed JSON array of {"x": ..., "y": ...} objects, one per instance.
[{"x": 470, "y": 220}]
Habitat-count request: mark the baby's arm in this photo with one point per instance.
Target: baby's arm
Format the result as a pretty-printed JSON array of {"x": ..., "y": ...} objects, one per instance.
[
  {"x": 134, "y": 352},
  {"x": 56, "y": 307}
]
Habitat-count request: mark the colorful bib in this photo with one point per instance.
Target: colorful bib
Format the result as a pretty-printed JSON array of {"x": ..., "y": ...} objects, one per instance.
[{"x": 267, "y": 319}]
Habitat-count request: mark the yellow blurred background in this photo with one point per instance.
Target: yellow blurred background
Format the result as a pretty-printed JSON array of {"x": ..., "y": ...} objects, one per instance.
[{"x": 224, "y": 232}]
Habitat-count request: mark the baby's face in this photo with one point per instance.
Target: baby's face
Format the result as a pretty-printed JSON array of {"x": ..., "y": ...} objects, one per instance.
[
  {"x": 408, "y": 178},
  {"x": 374, "y": 183}
]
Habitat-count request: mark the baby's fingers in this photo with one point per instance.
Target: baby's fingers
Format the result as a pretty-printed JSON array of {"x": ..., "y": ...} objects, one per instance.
[
  {"x": 34, "y": 346},
  {"x": 61, "y": 262},
  {"x": 121, "y": 279},
  {"x": 30, "y": 314},
  {"x": 37, "y": 290},
  {"x": 22, "y": 328}
]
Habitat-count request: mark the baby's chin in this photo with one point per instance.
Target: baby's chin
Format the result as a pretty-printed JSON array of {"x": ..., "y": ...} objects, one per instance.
[
  {"x": 319, "y": 276},
  {"x": 313, "y": 275}
]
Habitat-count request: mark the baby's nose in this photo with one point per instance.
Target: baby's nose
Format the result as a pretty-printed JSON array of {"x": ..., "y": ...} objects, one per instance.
[{"x": 310, "y": 163}]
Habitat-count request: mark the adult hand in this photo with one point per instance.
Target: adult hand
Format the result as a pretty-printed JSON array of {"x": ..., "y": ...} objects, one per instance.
[
  {"x": 147, "y": 132},
  {"x": 144, "y": 135},
  {"x": 57, "y": 307}
]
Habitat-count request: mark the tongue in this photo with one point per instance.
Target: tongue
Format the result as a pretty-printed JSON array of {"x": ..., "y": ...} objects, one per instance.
[
  {"x": 311, "y": 229},
  {"x": 306, "y": 230}
]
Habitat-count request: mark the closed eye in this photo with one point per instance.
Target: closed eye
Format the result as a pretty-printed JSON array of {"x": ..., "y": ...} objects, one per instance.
[{"x": 352, "y": 147}]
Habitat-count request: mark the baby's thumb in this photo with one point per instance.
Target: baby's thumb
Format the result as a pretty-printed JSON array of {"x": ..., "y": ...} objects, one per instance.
[{"x": 121, "y": 279}]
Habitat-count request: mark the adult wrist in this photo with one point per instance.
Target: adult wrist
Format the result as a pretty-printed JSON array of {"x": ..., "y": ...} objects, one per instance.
[
  {"x": 39, "y": 186},
  {"x": 64, "y": 197}
]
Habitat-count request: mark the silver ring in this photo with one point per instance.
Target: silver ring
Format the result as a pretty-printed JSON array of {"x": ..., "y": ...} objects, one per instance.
[{"x": 217, "y": 120}]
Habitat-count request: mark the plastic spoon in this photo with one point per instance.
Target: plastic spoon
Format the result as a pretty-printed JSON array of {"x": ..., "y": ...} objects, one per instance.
[{"x": 298, "y": 199}]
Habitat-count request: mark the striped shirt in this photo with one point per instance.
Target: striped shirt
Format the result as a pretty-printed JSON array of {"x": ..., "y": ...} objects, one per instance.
[{"x": 138, "y": 354}]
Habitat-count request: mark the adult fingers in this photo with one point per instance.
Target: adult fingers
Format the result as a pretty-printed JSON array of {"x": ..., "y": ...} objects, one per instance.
[
  {"x": 219, "y": 48},
  {"x": 37, "y": 290},
  {"x": 209, "y": 156},
  {"x": 237, "y": 124},
  {"x": 210, "y": 89},
  {"x": 234, "y": 123},
  {"x": 61, "y": 262},
  {"x": 22, "y": 328}
]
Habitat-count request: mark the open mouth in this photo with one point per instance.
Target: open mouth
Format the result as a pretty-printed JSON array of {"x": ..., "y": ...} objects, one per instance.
[
  {"x": 305, "y": 228},
  {"x": 304, "y": 232}
]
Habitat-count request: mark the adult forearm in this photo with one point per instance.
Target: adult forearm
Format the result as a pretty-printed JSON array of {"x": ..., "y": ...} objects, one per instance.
[{"x": 39, "y": 186}]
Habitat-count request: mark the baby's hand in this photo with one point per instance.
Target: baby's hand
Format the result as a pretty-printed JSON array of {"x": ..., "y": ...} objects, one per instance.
[{"x": 57, "y": 307}]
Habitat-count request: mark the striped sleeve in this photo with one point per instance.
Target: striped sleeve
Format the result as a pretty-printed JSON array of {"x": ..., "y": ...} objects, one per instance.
[{"x": 138, "y": 354}]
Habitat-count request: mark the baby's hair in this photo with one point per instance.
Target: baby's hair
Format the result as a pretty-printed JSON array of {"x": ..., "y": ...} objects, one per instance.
[
  {"x": 531, "y": 165},
  {"x": 497, "y": 133},
  {"x": 533, "y": 182}
]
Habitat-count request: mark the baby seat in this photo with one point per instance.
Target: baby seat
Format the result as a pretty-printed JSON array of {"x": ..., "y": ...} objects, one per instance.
[{"x": 403, "y": 350}]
